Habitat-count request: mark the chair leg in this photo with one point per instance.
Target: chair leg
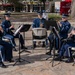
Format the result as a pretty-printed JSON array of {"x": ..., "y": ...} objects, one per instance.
[
  {"x": 45, "y": 47},
  {"x": 32, "y": 47},
  {"x": 74, "y": 60},
  {"x": 73, "y": 63}
]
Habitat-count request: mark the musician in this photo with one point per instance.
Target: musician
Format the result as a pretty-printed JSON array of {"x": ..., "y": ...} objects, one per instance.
[
  {"x": 64, "y": 27},
  {"x": 65, "y": 47},
  {"x": 5, "y": 50},
  {"x": 7, "y": 27},
  {"x": 37, "y": 23},
  {"x": 2, "y": 52}
]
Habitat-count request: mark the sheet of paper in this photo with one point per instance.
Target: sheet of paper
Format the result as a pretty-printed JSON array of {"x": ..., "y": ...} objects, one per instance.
[{"x": 17, "y": 31}]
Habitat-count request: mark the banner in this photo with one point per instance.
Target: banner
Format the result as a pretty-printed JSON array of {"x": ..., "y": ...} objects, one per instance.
[
  {"x": 68, "y": 0},
  {"x": 65, "y": 7}
]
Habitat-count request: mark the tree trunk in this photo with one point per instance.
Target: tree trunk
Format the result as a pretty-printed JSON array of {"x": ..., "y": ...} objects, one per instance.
[
  {"x": 14, "y": 9},
  {"x": 73, "y": 9},
  {"x": 2, "y": 5},
  {"x": 44, "y": 5}
]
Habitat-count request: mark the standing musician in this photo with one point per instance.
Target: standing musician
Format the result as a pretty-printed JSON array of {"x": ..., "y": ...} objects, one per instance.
[
  {"x": 7, "y": 27},
  {"x": 37, "y": 23},
  {"x": 64, "y": 27}
]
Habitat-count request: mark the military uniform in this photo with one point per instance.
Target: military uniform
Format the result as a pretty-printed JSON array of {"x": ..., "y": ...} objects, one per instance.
[
  {"x": 37, "y": 22},
  {"x": 6, "y": 49},
  {"x": 63, "y": 32},
  {"x": 9, "y": 34},
  {"x": 64, "y": 28},
  {"x": 65, "y": 48}
]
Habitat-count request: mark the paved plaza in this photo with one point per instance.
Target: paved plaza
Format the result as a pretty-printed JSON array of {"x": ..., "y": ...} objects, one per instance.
[{"x": 38, "y": 64}]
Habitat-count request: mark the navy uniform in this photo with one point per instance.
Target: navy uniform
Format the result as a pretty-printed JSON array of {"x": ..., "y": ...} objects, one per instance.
[
  {"x": 65, "y": 49},
  {"x": 64, "y": 27},
  {"x": 2, "y": 54},
  {"x": 38, "y": 21},
  {"x": 6, "y": 24},
  {"x": 5, "y": 51},
  {"x": 7, "y": 47},
  {"x": 36, "y": 24}
]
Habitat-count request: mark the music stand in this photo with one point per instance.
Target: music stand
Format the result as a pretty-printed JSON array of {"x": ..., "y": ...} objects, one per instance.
[
  {"x": 23, "y": 29},
  {"x": 49, "y": 24},
  {"x": 55, "y": 35}
]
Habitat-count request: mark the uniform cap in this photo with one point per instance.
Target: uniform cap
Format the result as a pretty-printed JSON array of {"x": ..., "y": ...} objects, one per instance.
[
  {"x": 40, "y": 13},
  {"x": 64, "y": 16},
  {"x": 7, "y": 15}
]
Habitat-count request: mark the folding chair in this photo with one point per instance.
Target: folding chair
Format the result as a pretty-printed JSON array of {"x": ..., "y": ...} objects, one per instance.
[
  {"x": 39, "y": 34},
  {"x": 73, "y": 53}
]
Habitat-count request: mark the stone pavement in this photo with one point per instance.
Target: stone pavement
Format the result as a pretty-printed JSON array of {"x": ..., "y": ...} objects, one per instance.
[{"x": 39, "y": 65}]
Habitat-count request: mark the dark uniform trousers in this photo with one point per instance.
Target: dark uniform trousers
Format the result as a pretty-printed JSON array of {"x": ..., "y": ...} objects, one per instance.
[
  {"x": 6, "y": 50},
  {"x": 65, "y": 47},
  {"x": 2, "y": 53}
]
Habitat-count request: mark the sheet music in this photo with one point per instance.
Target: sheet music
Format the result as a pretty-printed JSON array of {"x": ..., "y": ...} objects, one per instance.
[{"x": 17, "y": 31}]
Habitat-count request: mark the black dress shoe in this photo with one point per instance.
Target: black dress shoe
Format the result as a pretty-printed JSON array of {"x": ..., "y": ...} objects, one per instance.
[
  {"x": 10, "y": 61},
  {"x": 48, "y": 53},
  {"x": 69, "y": 61},
  {"x": 23, "y": 47},
  {"x": 58, "y": 59},
  {"x": 2, "y": 65}
]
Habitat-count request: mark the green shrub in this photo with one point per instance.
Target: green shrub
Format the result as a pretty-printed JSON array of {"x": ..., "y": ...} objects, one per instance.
[{"x": 54, "y": 16}]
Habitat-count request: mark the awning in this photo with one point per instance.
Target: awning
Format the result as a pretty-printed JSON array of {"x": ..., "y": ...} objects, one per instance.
[{"x": 5, "y": 4}]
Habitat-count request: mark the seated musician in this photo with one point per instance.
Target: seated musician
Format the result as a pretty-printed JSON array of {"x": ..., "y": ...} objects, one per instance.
[
  {"x": 7, "y": 27},
  {"x": 64, "y": 48},
  {"x": 64, "y": 27},
  {"x": 37, "y": 23},
  {"x": 5, "y": 50}
]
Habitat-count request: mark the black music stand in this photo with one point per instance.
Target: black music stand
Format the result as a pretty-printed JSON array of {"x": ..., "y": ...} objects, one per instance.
[
  {"x": 23, "y": 29},
  {"x": 48, "y": 24},
  {"x": 55, "y": 35}
]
